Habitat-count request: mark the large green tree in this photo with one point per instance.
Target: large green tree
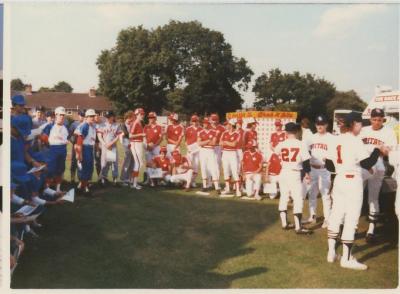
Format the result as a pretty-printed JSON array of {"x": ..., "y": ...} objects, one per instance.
[
  {"x": 346, "y": 100},
  {"x": 181, "y": 62},
  {"x": 306, "y": 94}
]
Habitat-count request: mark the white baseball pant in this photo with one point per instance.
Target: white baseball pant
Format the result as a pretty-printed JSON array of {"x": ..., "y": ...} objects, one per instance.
[
  {"x": 170, "y": 148},
  {"x": 374, "y": 187},
  {"x": 253, "y": 183},
  {"x": 194, "y": 158},
  {"x": 290, "y": 185},
  {"x": 272, "y": 187},
  {"x": 208, "y": 164},
  {"x": 218, "y": 155},
  {"x": 347, "y": 196},
  {"x": 137, "y": 153},
  {"x": 185, "y": 177},
  {"x": 320, "y": 183},
  {"x": 230, "y": 165}
]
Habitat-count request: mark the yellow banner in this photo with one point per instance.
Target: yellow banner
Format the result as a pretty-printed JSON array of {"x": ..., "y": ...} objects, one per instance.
[{"x": 262, "y": 114}]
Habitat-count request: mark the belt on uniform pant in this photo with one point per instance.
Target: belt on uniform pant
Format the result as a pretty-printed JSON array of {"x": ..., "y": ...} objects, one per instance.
[
  {"x": 317, "y": 166},
  {"x": 349, "y": 176}
]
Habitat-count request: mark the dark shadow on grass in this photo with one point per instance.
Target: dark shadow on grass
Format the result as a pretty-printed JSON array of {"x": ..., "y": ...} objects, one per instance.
[{"x": 160, "y": 240}]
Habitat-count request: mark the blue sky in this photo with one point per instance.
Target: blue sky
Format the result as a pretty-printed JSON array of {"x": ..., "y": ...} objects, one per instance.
[{"x": 353, "y": 46}]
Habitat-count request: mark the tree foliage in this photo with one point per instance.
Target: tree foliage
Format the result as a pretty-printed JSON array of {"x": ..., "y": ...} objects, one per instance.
[
  {"x": 17, "y": 85},
  {"x": 346, "y": 100},
  {"x": 62, "y": 87},
  {"x": 181, "y": 62},
  {"x": 306, "y": 94}
]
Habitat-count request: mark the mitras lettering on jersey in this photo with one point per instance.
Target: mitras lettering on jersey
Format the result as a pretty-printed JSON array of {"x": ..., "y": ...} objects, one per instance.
[{"x": 372, "y": 141}]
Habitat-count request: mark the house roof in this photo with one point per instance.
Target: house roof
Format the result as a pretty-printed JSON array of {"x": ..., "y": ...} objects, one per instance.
[{"x": 67, "y": 100}]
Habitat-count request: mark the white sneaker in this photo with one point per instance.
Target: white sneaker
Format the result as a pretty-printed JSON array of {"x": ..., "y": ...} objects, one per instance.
[
  {"x": 194, "y": 185},
  {"x": 332, "y": 257},
  {"x": 224, "y": 192},
  {"x": 137, "y": 187},
  {"x": 325, "y": 224},
  {"x": 238, "y": 194},
  {"x": 352, "y": 263},
  {"x": 258, "y": 197}
]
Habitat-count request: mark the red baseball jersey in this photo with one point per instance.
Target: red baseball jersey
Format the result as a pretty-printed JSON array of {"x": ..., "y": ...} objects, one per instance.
[
  {"x": 274, "y": 167},
  {"x": 153, "y": 133},
  {"x": 252, "y": 161},
  {"x": 137, "y": 129},
  {"x": 230, "y": 137},
  {"x": 191, "y": 134},
  {"x": 220, "y": 130},
  {"x": 179, "y": 161},
  {"x": 162, "y": 163},
  {"x": 250, "y": 135},
  {"x": 174, "y": 132},
  {"x": 277, "y": 138},
  {"x": 207, "y": 134}
]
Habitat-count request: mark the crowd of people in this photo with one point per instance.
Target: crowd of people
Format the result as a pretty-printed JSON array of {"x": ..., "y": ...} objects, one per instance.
[{"x": 222, "y": 157}]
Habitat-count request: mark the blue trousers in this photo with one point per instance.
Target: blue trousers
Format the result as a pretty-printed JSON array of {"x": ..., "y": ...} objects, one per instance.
[
  {"x": 56, "y": 161},
  {"x": 87, "y": 163}
]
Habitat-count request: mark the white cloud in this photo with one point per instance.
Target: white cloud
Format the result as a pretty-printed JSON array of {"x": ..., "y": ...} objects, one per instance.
[{"x": 341, "y": 21}]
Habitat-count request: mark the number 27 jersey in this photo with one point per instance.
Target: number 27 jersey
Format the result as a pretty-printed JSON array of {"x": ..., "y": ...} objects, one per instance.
[
  {"x": 346, "y": 153},
  {"x": 292, "y": 153}
]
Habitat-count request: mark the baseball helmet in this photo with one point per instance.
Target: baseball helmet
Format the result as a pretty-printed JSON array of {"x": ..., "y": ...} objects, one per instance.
[{"x": 18, "y": 100}]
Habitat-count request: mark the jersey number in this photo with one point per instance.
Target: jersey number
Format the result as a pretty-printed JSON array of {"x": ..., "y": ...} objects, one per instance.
[
  {"x": 285, "y": 154},
  {"x": 339, "y": 154}
]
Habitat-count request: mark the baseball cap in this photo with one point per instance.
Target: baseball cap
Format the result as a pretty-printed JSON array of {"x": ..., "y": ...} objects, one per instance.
[
  {"x": 251, "y": 120},
  {"x": 194, "y": 118},
  {"x": 291, "y": 127},
  {"x": 352, "y": 117},
  {"x": 139, "y": 111},
  {"x": 18, "y": 100},
  {"x": 109, "y": 114},
  {"x": 40, "y": 108},
  {"x": 49, "y": 113},
  {"x": 173, "y": 116},
  {"x": 321, "y": 120},
  {"x": 206, "y": 120},
  {"x": 152, "y": 114},
  {"x": 278, "y": 123},
  {"x": 60, "y": 110},
  {"x": 90, "y": 112},
  {"x": 377, "y": 112},
  {"x": 214, "y": 117},
  {"x": 163, "y": 149},
  {"x": 81, "y": 112}
]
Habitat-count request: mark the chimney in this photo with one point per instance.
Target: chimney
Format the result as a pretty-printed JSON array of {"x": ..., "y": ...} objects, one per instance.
[
  {"x": 28, "y": 89},
  {"x": 92, "y": 92}
]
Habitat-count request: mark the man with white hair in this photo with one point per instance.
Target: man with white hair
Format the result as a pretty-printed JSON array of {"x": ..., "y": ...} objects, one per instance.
[
  {"x": 56, "y": 135},
  {"x": 229, "y": 143}
]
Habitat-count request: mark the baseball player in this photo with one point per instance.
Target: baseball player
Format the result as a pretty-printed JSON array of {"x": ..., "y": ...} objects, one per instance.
[
  {"x": 108, "y": 134},
  {"x": 394, "y": 159},
  {"x": 154, "y": 135},
  {"x": 250, "y": 135},
  {"x": 163, "y": 163},
  {"x": 214, "y": 119},
  {"x": 251, "y": 167},
  {"x": 127, "y": 164},
  {"x": 229, "y": 142},
  {"x": 207, "y": 138},
  {"x": 193, "y": 148},
  {"x": 348, "y": 155},
  {"x": 56, "y": 135},
  {"x": 181, "y": 170},
  {"x": 85, "y": 140},
  {"x": 294, "y": 158},
  {"x": 318, "y": 145},
  {"x": 175, "y": 132},
  {"x": 278, "y": 136},
  {"x": 372, "y": 136},
  {"x": 72, "y": 127},
  {"x": 271, "y": 169},
  {"x": 240, "y": 146},
  {"x": 97, "y": 148},
  {"x": 136, "y": 137}
]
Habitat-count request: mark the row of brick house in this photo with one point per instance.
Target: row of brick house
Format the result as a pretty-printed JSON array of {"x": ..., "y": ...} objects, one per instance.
[{"x": 73, "y": 102}]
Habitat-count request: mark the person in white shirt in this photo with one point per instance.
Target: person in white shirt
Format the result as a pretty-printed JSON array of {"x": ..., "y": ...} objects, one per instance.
[
  {"x": 294, "y": 158},
  {"x": 318, "y": 145},
  {"x": 347, "y": 157},
  {"x": 375, "y": 135}
]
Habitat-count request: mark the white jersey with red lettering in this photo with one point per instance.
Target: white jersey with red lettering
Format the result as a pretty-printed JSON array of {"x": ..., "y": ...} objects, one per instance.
[
  {"x": 319, "y": 145},
  {"x": 292, "y": 153},
  {"x": 373, "y": 138}
]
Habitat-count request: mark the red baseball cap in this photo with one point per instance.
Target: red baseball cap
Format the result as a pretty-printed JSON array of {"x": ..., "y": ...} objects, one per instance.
[
  {"x": 214, "y": 117},
  {"x": 278, "y": 123},
  {"x": 152, "y": 115},
  {"x": 194, "y": 118}
]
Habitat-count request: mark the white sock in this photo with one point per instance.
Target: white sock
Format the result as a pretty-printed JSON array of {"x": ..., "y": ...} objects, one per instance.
[
  {"x": 297, "y": 221},
  {"x": 347, "y": 250},
  {"x": 135, "y": 181},
  {"x": 331, "y": 245},
  {"x": 58, "y": 189},
  {"x": 282, "y": 214},
  {"x": 371, "y": 228},
  {"x": 227, "y": 186},
  {"x": 216, "y": 185}
]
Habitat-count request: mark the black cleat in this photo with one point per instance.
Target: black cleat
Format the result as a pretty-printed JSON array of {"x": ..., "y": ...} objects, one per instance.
[
  {"x": 371, "y": 238},
  {"x": 303, "y": 231},
  {"x": 288, "y": 227}
]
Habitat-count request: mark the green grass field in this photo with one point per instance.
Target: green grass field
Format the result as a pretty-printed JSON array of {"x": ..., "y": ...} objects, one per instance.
[
  {"x": 160, "y": 238},
  {"x": 166, "y": 238}
]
